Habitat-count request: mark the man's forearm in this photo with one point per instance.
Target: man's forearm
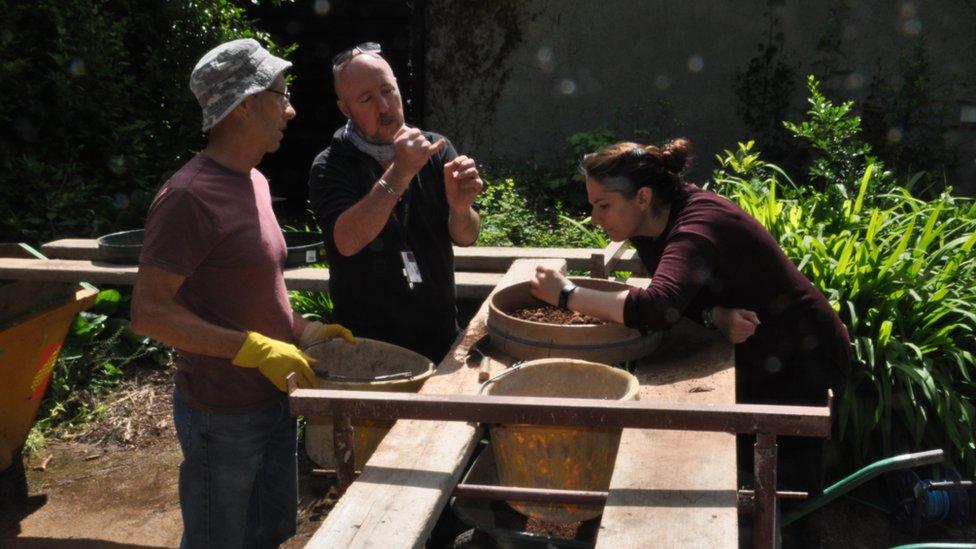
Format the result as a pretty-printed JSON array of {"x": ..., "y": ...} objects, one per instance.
[
  {"x": 362, "y": 223},
  {"x": 464, "y": 226},
  {"x": 298, "y": 326},
  {"x": 176, "y": 326}
]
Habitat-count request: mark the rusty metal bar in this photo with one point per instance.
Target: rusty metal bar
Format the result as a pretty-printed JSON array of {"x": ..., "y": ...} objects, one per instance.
[
  {"x": 747, "y": 499},
  {"x": 329, "y": 473},
  {"x": 484, "y": 491},
  {"x": 730, "y": 418},
  {"x": 764, "y": 528},
  {"x": 345, "y": 451}
]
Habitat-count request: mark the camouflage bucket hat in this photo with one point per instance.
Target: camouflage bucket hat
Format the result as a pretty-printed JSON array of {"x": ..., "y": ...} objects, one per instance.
[{"x": 229, "y": 73}]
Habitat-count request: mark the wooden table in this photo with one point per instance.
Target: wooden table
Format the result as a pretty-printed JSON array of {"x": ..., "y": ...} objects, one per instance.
[
  {"x": 667, "y": 486},
  {"x": 677, "y": 488},
  {"x": 495, "y": 259}
]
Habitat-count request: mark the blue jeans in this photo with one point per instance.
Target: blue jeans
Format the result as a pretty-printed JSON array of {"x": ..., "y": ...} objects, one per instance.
[{"x": 239, "y": 476}]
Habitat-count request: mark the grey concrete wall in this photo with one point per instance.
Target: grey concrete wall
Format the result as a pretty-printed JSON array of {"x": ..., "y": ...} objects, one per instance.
[{"x": 515, "y": 79}]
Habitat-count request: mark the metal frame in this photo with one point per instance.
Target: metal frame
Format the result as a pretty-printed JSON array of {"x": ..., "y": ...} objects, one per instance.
[{"x": 765, "y": 421}]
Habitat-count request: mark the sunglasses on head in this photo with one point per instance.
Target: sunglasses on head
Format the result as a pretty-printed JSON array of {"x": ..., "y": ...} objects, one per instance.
[{"x": 365, "y": 47}]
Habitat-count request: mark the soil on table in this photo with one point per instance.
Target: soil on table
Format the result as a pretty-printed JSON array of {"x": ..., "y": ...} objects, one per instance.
[{"x": 548, "y": 314}]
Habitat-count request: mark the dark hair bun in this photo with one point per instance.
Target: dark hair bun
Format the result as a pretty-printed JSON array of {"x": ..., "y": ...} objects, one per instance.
[{"x": 675, "y": 155}]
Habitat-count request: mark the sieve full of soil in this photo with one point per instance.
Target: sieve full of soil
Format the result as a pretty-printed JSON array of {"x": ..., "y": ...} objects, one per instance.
[{"x": 548, "y": 314}]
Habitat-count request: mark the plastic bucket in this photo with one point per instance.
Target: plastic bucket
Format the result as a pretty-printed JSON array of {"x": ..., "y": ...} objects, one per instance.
[
  {"x": 564, "y": 458},
  {"x": 369, "y": 365}
]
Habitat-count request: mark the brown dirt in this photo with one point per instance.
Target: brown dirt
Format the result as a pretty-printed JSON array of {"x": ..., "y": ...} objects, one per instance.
[
  {"x": 548, "y": 314},
  {"x": 552, "y": 529}
]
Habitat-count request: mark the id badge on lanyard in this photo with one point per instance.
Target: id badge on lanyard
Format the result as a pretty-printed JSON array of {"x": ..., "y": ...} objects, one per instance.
[{"x": 411, "y": 270}]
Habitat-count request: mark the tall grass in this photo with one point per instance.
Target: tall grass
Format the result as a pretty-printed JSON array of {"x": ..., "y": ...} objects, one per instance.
[{"x": 900, "y": 272}]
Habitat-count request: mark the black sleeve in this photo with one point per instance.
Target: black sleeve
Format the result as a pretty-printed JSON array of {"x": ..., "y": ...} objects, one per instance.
[
  {"x": 331, "y": 189},
  {"x": 685, "y": 264}
]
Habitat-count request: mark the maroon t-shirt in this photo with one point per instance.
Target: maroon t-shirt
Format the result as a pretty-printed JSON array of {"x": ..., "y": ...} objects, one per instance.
[
  {"x": 216, "y": 227},
  {"x": 713, "y": 253}
]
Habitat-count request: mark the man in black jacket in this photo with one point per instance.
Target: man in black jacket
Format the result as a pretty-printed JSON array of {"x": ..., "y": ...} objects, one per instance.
[{"x": 391, "y": 200}]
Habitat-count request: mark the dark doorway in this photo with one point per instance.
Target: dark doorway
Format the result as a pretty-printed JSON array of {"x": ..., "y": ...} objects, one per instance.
[{"x": 322, "y": 28}]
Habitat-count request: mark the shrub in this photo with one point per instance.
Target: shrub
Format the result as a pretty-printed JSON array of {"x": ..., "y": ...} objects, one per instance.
[
  {"x": 900, "y": 272},
  {"x": 97, "y": 109}
]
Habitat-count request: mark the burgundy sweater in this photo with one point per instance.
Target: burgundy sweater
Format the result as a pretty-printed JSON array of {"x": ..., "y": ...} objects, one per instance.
[{"x": 713, "y": 253}]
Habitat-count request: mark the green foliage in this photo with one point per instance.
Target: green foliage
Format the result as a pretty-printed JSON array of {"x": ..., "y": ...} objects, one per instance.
[
  {"x": 507, "y": 219},
  {"x": 900, "y": 272},
  {"x": 96, "y": 107},
  {"x": 312, "y": 305},
  {"x": 99, "y": 345},
  {"x": 834, "y": 133}
]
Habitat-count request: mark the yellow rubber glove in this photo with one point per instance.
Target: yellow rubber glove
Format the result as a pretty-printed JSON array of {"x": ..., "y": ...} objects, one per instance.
[
  {"x": 275, "y": 360},
  {"x": 316, "y": 332}
]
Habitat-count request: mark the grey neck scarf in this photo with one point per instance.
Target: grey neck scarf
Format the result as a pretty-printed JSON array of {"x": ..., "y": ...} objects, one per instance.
[{"x": 381, "y": 152}]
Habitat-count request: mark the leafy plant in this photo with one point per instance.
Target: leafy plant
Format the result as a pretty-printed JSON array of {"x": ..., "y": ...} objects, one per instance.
[
  {"x": 312, "y": 305},
  {"x": 96, "y": 110},
  {"x": 900, "y": 272},
  {"x": 98, "y": 347}
]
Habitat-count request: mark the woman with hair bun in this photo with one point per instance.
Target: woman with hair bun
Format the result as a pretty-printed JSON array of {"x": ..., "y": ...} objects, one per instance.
[{"x": 713, "y": 263}]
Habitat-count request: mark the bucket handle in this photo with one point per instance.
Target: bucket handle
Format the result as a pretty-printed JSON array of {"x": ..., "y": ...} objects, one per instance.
[
  {"x": 510, "y": 370},
  {"x": 399, "y": 375}
]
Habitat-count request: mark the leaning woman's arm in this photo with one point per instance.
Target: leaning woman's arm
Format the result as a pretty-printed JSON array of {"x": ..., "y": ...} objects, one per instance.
[
  {"x": 686, "y": 266},
  {"x": 607, "y": 306}
]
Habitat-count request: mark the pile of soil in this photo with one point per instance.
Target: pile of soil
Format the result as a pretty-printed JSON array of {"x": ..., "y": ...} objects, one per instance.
[
  {"x": 554, "y": 315},
  {"x": 552, "y": 529}
]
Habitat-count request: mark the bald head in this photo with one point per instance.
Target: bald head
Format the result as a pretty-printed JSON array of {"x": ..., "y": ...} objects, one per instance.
[{"x": 369, "y": 96}]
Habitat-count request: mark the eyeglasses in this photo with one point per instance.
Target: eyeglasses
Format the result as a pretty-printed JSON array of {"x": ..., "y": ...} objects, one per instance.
[
  {"x": 365, "y": 47},
  {"x": 286, "y": 94}
]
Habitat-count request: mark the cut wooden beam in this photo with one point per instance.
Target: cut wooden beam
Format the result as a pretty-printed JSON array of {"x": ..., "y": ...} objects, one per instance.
[
  {"x": 677, "y": 488},
  {"x": 472, "y": 258},
  {"x": 469, "y": 285},
  {"x": 606, "y": 261},
  {"x": 71, "y": 248}
]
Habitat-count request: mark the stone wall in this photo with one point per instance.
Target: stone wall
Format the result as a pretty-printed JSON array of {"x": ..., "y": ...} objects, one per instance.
[{"x": 513, "y": 79}]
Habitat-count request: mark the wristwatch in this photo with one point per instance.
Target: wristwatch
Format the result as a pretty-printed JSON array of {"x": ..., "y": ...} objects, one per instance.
[{"x": 564, "y": 294}]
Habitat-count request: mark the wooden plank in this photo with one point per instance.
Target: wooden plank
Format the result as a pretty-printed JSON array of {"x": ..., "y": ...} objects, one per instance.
[
  {"x": 498, "y": 259},
  {"x": 71, "y": 248},
  {"x": 469, "y": 285},
  {"x": 406, "y": 483},
  {"x": 606, "y": 261},
  {"x": 472, "y": 258},
  {"x": 677, "y": 488}
]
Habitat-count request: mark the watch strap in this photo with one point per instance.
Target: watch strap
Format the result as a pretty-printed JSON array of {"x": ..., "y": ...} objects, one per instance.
[{"x": 564, "y": 294}]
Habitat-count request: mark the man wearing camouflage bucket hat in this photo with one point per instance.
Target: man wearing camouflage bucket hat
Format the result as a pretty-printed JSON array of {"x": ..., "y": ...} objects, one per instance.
[{"x": 210, "y": 285}]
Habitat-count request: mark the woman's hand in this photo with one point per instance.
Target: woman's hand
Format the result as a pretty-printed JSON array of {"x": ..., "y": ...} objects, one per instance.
[
  {"x": 737, "y": 325},
  {"x": 546, "y": 284}
]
